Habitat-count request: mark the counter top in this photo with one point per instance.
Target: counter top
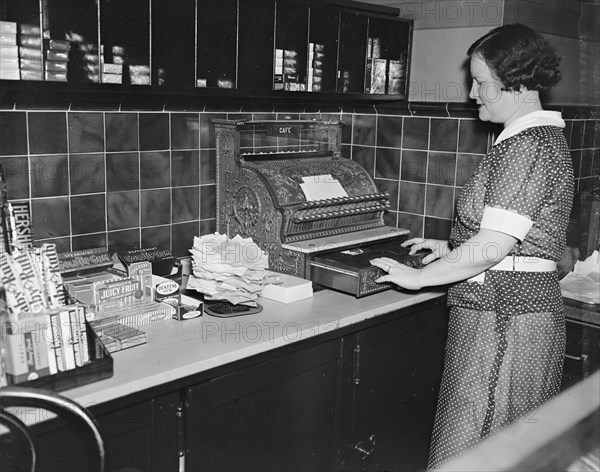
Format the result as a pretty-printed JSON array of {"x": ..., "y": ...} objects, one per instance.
[
  {"x": 176, "y": 349},
  {"x": 583, "y": 312}
]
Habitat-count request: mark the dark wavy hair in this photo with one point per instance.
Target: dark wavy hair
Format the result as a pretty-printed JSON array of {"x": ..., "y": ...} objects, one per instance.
[{"x": 519, "y": 57}]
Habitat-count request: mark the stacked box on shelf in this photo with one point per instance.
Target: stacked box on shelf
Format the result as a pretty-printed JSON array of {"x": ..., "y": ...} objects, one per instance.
[
  {"x": 30, "y": 52},
  {"x": 57, "y": 59},
  {"x": 112, "y": 69},
  {"x": 286, "y": 71},
  {"x": 9, "y": 51},
  {"x": 84, "y": 59},
  {"x": 278, "y": 82},
  {"x": 377, "y": 67},
  {"x": 139, "y": 73},
  {"x": 396, "y": 76},
  {"x": 315, "y": 66}
]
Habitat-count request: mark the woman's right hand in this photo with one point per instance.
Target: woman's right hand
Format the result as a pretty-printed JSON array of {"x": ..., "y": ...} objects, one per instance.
[{"x": 439, "y": 248}]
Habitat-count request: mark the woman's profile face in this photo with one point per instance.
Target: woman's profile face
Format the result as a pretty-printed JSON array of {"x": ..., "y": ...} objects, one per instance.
[{"x": 494, "y": 104}]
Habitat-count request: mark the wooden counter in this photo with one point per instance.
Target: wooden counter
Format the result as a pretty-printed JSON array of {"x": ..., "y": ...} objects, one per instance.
[
  {"x": 177, "y": 349},
  {"x": 327, "y": 383}
]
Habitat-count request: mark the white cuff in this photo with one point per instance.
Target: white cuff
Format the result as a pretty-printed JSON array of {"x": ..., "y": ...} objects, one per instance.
[{"x": 505, "y": 221}]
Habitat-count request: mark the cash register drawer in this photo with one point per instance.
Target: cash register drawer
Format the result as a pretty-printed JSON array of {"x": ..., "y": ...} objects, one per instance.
[{"x": 349, "y": 270}]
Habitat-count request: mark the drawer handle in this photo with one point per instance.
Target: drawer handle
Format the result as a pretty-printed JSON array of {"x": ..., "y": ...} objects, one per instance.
[{"x": 581, "y": 358}]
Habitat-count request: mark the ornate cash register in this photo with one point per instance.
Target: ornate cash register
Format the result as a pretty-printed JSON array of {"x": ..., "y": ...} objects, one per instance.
[{"x": 317, "y": 214}]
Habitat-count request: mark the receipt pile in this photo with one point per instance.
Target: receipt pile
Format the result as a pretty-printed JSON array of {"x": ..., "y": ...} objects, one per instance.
[
  {"x": 234, "y": 270},
  {"x": 583, "y": 283}
]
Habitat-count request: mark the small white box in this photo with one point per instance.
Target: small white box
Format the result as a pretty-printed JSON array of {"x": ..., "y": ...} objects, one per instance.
[{"x": 290, "y": 290}]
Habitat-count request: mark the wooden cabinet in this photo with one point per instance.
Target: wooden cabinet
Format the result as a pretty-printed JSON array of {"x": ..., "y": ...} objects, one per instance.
[
  {"x": 138, "y": 436},
  {"x": 393, "y": 391},
  {"x": 582, "y": 354},
  {"x": 362, "y": 401},
  {"x": 192, "y": 47},
  {"x": 278, "y": 415}
]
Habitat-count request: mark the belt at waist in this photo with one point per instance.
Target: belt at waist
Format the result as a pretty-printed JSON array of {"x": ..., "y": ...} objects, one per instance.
[
  {"x": 519, "y": 264},
  {"x": 525, "y": 264}
]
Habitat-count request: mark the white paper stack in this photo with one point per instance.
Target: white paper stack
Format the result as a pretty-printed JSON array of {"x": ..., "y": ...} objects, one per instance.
[
  {"x": 234, "y": 270},
  {"x": 291, "y": 289},
  {"x": 583, "y": 283}
]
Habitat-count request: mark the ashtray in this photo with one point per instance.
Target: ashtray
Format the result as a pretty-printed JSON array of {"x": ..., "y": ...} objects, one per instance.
[{"x": 224, "y": 309}]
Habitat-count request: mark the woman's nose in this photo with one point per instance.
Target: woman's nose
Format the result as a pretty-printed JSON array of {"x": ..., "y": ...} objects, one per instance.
[{"x": 472, "y": 92}]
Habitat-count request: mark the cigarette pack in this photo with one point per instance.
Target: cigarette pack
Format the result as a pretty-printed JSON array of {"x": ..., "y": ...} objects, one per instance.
[
  {"x": 108, "y": 68},
  {"x": 30, "y": 30},
  {"x": 7, "y": 51},
  {"x": 8, "y": 27},
  {"x": 8, "y": 39},
  {"x": 30, "y": 53},
  {"x": 34, "y": 64},
  {"x": 118, "y": 50},
  {"x": 52, "y": 76},
  {"x": 9, "y": 74},
  {"x": 139, "y": 69},
  {"x": 32, "y": 75},
  {"x": 52, "y": 55},
  {"x": 58, "y": 45},
  {"x": 56, "y": 66},
  {"x": 224, "y": 83},
  {"x": 112, "y": 79},
  {"x": 30, "y": 41},
  {"x": 139, "y": 80}
]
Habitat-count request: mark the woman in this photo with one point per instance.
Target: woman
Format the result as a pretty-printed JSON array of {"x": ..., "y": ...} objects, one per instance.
[{"x": 506, "y": 333}]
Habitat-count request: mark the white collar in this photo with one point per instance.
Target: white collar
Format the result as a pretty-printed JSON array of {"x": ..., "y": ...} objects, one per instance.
[{"x": 531, "y": 120}]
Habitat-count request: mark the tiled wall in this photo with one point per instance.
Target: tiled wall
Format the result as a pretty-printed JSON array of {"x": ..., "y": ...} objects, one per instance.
[{"x": 131, "y": 179}]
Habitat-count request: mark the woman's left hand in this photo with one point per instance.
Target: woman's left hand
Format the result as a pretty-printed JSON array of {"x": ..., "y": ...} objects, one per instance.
[{"x": 399, "y": 274}]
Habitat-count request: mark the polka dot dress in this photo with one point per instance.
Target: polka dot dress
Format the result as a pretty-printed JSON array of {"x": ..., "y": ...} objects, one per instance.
[{"x": 506, "y": 336}]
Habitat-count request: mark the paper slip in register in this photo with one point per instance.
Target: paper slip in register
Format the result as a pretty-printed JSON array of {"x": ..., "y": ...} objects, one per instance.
[
  {"x": 322, "y": 187},
  {"x": 290, "y": 290}
]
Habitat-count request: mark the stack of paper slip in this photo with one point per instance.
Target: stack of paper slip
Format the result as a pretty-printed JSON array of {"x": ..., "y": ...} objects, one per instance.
[{"x": 234, "y": 270}]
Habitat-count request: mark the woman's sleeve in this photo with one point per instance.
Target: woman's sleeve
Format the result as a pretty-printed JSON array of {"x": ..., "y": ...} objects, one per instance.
[{"x": 516, "y": 188}]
